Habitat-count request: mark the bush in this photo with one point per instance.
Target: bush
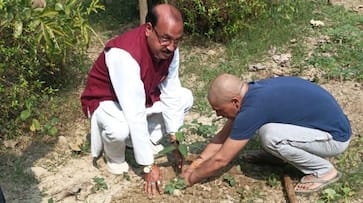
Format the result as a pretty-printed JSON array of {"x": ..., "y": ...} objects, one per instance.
[
  {"x": 39, "y": 50},
  {"x": 219, "y": 19}
]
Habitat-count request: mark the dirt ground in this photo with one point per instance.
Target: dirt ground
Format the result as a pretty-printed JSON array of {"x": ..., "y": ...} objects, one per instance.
[{"x": 64, "y": 174}]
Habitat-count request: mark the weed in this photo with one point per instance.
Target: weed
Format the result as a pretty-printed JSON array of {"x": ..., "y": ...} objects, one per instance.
[
  {"x": 273, "y": 181},
  {"x": 230, "y": 180},
  {"x": 176, "y": 183},
  {"x": 329, "y": 195},
  {"x": 100, "y": 183},
  {"x": 249, "y": 194},
  {"x": 202, "y": 129},
  {"x": 126, "y": 176},
  {"x": 86, "y": 147}
]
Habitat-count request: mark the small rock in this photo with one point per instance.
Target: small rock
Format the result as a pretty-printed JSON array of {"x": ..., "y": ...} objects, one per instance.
[
  {"x": 177, "y": 193},
  {"x": 282, "y": 59},
  {"x": 10, "y": 143},
  {"x": 211, "y": 52},
  {"x": 258, "y": 200},
  {"x": 293, "y": 41},
  {"x": 316, "y": 23},
  {"x": 256, "y": 67},
  {"x": 62, "y": 142},
  {"x": 39, "y": 3}
]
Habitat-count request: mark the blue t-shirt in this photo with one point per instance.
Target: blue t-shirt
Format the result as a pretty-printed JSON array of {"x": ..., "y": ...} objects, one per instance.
[{"x": 290, "y": 100}]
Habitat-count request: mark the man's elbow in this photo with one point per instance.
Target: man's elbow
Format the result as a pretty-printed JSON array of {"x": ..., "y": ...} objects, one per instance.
[{"x": 221, "y": 161}]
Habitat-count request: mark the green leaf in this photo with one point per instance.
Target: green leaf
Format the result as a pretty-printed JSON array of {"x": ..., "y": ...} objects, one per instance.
[
  {"x": 53, "y": 131},
  {"x": 183, "y": 149},
  {"x": 34, "y": 24},
  {"x": 180, "y": 183},
  {"x": 167, "y": 149},
  {"x": 35, "y": 125},
  {"x": 169, "y": 189},
  {"x": 18, "y": 28},
  {"x": 47, "y": 126},
  {"x": 54, "y": 120},
  {"x": 330, "y": 193},
  {"x": 25, "y": 114},
  {"x": 179, "y": 136},
  {"x": 59, "y": 7},
  {"x": 100, "y": 183},
  {"x": 49, "y": 14},
  {"x": 230, "y": 180}
]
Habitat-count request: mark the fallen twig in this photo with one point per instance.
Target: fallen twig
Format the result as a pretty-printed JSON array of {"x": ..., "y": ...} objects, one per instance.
[{"x": 289, "y": 188}]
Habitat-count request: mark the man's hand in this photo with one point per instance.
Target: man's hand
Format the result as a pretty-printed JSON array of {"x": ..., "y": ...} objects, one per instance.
[
  {"x": 153, "y": 181},
  {"x": 186, "y": 175},
  {"x": 190, "y": 170}
]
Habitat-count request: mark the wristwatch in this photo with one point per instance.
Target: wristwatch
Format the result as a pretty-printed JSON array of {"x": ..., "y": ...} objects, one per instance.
[{"x": 148, "y": 169}]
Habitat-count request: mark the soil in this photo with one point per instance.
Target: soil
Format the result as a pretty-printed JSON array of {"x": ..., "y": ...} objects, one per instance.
[{"x": 64, "y": 173}]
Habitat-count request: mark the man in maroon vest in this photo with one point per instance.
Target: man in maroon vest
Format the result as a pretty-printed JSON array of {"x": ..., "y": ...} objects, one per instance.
[{"x": 134, "y": 96}]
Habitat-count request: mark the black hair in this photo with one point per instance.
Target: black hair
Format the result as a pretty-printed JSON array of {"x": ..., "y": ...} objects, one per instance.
[{"x": 152, "y": 17}]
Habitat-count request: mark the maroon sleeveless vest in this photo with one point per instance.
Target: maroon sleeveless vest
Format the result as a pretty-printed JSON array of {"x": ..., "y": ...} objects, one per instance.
[{"x": 99, "y": 87}]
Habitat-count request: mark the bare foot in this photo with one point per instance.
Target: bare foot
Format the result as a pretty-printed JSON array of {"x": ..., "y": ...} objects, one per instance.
[{"x": 311, "y": 183}]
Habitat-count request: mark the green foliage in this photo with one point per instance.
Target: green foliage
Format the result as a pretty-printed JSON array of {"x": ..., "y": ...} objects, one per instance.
[
  {"x": 41, "y": 50},
  {"x": 179, "y": 145},
  {"x": 176, "y": 183},
  {"x": 230, "y": 180},
  {"x": 281, "y": 22},
  {"x": 273, "y": 181},
  {"x": 218, "y": 19},
  {"x": 329, "y": 195},
  {"x": 341, "y": 55},
  {"x": 100, "y": 183},
  {"x": 115, "y": 13},
  {"x": 202, "y": 129}
]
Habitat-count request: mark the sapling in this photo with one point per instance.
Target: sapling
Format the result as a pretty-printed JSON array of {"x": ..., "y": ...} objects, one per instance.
[{"x": 178, "y": 145}]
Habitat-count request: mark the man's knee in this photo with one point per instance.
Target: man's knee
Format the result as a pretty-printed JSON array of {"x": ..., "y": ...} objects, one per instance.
[
  {"x": 268, "y": 136},
  {"x": 187, "y": 98},
  {"x": 116, "y": 133}
]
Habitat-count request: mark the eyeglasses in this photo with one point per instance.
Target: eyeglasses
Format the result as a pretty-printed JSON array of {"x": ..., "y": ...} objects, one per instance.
[{"x": 166, "y": 40}]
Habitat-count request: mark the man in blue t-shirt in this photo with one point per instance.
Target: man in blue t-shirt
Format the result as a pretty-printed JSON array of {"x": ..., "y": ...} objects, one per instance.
[{"x": 297, "y": 121}]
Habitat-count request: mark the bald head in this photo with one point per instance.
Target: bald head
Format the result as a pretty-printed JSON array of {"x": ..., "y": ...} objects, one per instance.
[
  {"x": 164, "y": 12},
  {"x": 224, "y": 88}
]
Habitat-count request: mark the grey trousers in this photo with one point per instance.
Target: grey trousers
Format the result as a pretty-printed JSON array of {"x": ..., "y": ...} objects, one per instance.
[{"x": 304, "y": 148}]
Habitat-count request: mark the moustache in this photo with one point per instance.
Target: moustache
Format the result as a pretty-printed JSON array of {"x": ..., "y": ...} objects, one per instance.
[{"x": 167, "y": 51}]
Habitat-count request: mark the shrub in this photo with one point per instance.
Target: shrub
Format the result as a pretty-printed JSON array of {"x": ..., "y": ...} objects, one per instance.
[
  {"x": 39, "y": 50},
  {"x": 219, "y": 19}
]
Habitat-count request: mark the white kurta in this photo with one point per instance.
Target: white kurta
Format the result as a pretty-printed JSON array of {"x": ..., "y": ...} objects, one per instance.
[{"x": 125, "y": 78}]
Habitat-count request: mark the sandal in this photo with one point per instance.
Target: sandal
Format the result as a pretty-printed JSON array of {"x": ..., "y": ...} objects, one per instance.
[{"x": 322, "y": 184}]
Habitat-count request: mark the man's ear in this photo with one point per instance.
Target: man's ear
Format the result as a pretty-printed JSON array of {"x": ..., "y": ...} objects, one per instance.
[
  {"x": 149, "y": 29},
  {"x": 236, "y": 102}
]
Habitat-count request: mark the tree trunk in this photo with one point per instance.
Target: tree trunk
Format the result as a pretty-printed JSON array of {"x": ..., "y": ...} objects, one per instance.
[{"x": 142, "y": 10}]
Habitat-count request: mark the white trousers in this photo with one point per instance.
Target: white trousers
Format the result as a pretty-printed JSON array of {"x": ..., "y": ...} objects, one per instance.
[{"x": 110, "y": 132}]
